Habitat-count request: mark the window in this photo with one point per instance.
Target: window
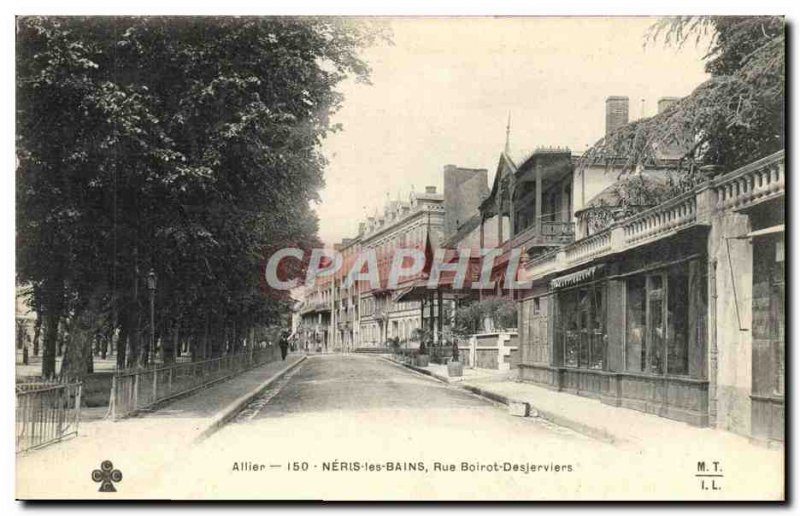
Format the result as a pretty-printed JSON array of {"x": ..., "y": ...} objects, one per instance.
[
  {"x": 659, "y": 323},
  {"x": 635, "y": 324},
  {"x": 582, "y": 321},
  {"x": 536, "y": 306},
  {"x": 678, "y": 323}
]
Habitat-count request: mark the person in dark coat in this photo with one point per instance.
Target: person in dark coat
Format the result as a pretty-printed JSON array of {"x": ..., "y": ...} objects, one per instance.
[{"x": 284, "y": 344}]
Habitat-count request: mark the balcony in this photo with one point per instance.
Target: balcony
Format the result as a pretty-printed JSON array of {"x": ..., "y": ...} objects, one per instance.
[
  {"x": 551, "y": 234},
  {"x": 743, "y": 188},
  {"x": 319, "y": 306}
]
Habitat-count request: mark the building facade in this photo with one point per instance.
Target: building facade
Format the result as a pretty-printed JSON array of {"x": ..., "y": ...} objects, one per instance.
[
  {"x": 341, "y": 318},
  {"x": 676, "y": 311},
  {"x": 403, "y": 224},
  {"x": 314, "y": 332}
]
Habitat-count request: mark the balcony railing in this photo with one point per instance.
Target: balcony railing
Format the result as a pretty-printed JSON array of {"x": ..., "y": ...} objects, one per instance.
[
  {"x": 668, "y": 217},
  {"x": 751, "y": 184},
  {"x": 542, "y": 265},
  {"x": 319, "y": 306},
  {"x": 588, "y": 248},
  {"x": 551, "y": 233}
]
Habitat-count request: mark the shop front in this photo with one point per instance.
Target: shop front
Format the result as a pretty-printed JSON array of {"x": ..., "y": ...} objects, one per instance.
[{"x": 631, "y": 331}]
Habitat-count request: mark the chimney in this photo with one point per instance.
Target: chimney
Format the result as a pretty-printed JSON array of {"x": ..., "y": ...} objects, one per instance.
[
  {"x": 430, "y": 189},
  {"x": 665, "y": 102},
  {"x": 362, "y": 228},
  {"x": 616, "y": 113}
]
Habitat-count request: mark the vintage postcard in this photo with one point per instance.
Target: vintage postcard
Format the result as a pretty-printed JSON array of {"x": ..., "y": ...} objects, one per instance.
[{"x": 400, "y": 258}]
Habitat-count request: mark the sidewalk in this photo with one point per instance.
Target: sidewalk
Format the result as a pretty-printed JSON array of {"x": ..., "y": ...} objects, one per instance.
[
  {"x": 616, "y": 425},
  {"x": 439, "y": 372},
  {"x": 59, "y": 470}
]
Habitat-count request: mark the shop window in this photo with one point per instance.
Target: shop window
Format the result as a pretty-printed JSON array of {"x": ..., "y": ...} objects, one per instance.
[
  {"x": 582, "y": 315},
  {"x": 658, "y": 320},
  {"x": 599, "y": 339},
  {"x": 678, "y": 323},
  {"x": 656, "y": 332}
]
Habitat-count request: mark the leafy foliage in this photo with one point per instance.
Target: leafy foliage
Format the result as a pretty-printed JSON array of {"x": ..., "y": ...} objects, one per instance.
[
  {"x": 628, "y": 196},
  {"x": 469, "y": 319},
  {"x": 189, "y": 146},
  {"x": 735, "y": 117}
]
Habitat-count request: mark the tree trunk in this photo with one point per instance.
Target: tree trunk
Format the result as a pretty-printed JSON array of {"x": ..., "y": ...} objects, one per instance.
[
  {"x": 62, "y": 335},
  {"x": 217, "y": 340},
  {"x": 77, "y": 355},
  {"x": 90, "y": 359},
  {"x": 207, "y": 339},
  {"x": 49, "y": 343},
  {"x": 169, "y": 344},
  {"x": 134, "y": 337},
  {"x": 178, "y": 341},
  {"x": 237, "y": 338},
  {"x": 122, "y": 341},
  {"x": 37, "y": 328}
]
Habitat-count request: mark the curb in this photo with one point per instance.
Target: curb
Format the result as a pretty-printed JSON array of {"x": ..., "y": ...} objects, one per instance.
[
  {"x": 582, "y": 428},
  {"x": 553, "y": 417},
  {"x": 417, "y": 370},
  {"x": 229, "y": 412}
]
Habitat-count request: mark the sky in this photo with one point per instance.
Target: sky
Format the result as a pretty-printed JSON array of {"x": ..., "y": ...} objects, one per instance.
[{"x": 443, "y": 91}]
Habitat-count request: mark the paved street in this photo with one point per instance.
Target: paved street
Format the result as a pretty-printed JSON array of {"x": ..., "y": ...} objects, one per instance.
[
  {"x": 368, "y": 413},
  {"x": 358, "y": 383}
]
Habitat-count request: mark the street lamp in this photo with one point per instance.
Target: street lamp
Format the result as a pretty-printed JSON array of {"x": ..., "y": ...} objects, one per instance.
[{"x": 151, "y": 286}]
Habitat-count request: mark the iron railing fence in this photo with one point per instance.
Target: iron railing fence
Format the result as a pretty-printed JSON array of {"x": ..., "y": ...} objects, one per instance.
[
  {"x": 47, "y": 412},
  {"x": 139, "y": 389}
]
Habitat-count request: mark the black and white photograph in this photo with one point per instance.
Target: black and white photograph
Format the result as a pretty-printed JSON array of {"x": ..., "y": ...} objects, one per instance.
[{"x": 399, "y": 258}]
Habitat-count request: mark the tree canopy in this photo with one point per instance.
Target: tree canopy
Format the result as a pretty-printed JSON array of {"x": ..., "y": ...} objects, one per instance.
[
  {"x": 189, "y": 146},
  {"x": 735, "y": 117}
]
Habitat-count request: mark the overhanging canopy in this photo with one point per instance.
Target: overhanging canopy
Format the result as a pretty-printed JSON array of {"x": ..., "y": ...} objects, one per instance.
[{"x": 575, "y": 277}]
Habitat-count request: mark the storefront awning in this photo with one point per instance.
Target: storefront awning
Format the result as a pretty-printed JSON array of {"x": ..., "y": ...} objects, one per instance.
[{"x": 575, "y": 277}]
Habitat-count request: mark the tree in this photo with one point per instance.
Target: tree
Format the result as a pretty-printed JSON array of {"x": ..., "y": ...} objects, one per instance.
[
  {"x": 734, "y": 118},
  {"x": 189, "y": 146}
]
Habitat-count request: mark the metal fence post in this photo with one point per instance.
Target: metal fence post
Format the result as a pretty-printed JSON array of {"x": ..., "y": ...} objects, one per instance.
[
  {"x": 78, "y": 406},
  {"x": 135, "y": 391},
  {"x": 113, "y": 399}
]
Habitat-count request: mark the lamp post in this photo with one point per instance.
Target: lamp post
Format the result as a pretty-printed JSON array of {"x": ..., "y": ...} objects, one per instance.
[{"x": 151, "y": 287}]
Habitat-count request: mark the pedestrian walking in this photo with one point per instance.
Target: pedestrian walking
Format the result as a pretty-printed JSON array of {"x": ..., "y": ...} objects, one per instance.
[{"x": 284, "y": 344}]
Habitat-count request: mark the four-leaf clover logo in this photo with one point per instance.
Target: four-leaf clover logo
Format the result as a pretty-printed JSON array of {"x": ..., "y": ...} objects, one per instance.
[{"x": 107, "y": 476}]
